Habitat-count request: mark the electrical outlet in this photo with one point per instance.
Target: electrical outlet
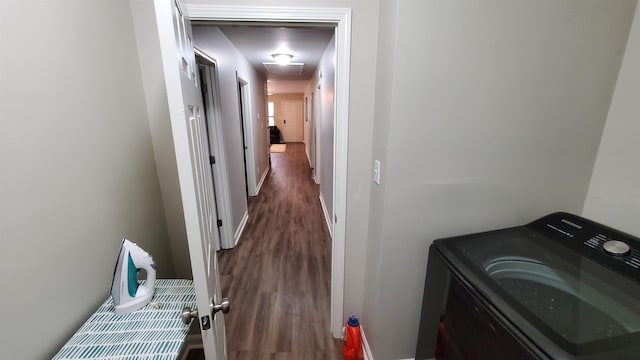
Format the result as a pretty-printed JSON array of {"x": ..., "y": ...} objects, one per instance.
[{"x": 376, "y": 172}]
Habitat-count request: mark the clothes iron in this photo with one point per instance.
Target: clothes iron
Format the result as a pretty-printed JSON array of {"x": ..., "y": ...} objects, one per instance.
[{"x": 128, "y": 295}]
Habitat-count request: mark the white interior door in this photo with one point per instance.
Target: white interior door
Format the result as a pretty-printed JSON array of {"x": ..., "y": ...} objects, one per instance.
[
  {"x": 190, "y": 141},
  {"x": 292, "y": 120}
]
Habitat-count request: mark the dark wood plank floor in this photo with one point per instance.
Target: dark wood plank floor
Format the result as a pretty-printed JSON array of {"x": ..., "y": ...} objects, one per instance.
[{"x": 278, "y": 278}]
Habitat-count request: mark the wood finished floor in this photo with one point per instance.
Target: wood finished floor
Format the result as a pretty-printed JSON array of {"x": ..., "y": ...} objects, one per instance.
[{"x": 278, "y": 278}]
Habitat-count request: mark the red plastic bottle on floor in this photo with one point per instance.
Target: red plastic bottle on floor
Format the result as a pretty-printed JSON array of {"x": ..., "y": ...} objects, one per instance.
[{"x": 352, "y": 341}]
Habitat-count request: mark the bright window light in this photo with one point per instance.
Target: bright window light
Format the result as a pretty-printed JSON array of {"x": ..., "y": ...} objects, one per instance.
[{"x": 271, "y": 113}]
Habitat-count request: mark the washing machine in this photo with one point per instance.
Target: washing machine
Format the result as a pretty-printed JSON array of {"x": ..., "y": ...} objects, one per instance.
[{"x": 560, "y": 287}]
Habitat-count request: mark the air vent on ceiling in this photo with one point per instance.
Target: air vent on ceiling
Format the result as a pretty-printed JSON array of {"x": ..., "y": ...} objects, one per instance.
[{"x": 291, "y": 69}]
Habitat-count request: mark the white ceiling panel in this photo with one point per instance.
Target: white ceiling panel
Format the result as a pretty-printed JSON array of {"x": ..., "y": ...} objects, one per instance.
[{"x": 291, "y": 69}]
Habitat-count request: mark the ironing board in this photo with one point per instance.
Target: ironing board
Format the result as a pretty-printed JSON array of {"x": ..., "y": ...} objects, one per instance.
[{"x": 153, "y": 332}]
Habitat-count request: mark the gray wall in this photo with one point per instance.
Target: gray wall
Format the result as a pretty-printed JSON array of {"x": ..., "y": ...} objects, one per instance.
[
  {"x": 325, "y": 125},
  {"x": 213, "y": 42},
  {"x": 495, "y": 113},
  {"x": 78, "y": 169},
  {"x": 260, "y": 126},
  {"x": 372, "y": 324},
  {"x": 327, "y": 84},
  {"x": 614, "y": 192},
  {"x": 259, "y": 119}
]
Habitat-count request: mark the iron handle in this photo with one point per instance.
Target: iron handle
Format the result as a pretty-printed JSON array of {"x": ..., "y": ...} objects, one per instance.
[
  {"x": 188, "y": 314},
  {"x": 224, "y": 306}
]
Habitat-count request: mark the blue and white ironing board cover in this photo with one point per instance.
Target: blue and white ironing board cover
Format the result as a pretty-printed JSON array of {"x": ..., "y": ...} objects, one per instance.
[{"x": 153, "y": 332}]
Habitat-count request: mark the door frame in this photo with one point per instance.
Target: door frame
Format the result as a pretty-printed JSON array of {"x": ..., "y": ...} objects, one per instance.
[
  {"x": 244, "y": 102},
  {"x": 312, "y": 136},
  {"x": 317, "y": 123},
  {"x": 220, "y": 170},
  {"x": 341, "y": 18}
]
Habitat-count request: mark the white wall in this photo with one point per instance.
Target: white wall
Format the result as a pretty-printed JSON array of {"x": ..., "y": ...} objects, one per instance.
[
  {"x": 495, "y": 113},
  {"x": 78, "y": 169},
  {"x": 213, "y": 42},
  {"x": 614, "y": 192}
]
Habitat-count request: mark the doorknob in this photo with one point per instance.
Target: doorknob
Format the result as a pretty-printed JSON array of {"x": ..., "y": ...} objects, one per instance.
[
  {"x": 224, "y": 306},
  {"x": 188, "y": 314}
]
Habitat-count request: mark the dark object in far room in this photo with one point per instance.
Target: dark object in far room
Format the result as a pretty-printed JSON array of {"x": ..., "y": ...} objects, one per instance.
[{"x": 275, "y": 136}]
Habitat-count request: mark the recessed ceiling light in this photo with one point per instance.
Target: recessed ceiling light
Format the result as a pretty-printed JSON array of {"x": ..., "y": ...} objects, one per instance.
[{"x": 282, "y": 59}]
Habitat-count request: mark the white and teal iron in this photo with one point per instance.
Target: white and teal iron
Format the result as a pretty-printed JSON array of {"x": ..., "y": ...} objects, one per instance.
[{"x": 129, "y": 295}]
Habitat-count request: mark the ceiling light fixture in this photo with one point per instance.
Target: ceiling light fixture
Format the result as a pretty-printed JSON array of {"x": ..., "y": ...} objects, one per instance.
[{"x": 282, "y": 59}]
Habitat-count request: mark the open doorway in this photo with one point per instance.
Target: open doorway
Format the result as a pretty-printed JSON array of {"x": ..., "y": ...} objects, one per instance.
[
  {"x": 340, "y": 20},
  {"x": 209, "y": 88},
  {"x": 204, "y": 69},
  {"x": 243, "y": 103}
]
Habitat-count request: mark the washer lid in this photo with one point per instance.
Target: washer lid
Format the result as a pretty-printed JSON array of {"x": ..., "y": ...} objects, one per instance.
[{"x": 569, "y": 293}]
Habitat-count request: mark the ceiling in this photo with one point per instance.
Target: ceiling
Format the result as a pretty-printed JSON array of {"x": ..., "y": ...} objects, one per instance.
[{"x": 258, "y": 42}]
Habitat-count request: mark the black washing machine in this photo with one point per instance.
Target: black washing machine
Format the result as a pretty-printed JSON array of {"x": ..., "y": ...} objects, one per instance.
[{"x": 561, "y": 287}]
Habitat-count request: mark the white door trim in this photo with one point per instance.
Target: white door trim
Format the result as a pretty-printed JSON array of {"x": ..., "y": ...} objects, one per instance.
[
  {"x": 317, "y": 130},
  {"x": 247, "y": 125},
  {"x": 220, "y": 169},
  {"x": 341, "y": 17}
]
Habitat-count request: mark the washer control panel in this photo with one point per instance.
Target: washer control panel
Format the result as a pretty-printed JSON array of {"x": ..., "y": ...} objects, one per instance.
[
  {"x": 594, "y": 240},
  {"x": 615, "y": 248}
]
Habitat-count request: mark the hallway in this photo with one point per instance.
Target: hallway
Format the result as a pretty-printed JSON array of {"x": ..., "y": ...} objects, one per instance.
[{"x": 279, "y": 276}]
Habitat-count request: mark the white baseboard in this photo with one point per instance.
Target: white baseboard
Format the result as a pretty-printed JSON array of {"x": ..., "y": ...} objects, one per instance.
[
  {"x": 365, "y": 346},
  {"x": 240, "y": 229},
  {"x": 264, "y": 176},
  {"x": 326, "y": 215}
]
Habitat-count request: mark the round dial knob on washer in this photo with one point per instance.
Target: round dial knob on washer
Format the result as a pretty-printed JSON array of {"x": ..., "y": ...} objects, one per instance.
[{"x": 616, "y": 248}]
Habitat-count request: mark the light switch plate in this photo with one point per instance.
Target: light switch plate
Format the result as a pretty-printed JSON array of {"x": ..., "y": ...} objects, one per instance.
[{"x": 376, "y": 172}]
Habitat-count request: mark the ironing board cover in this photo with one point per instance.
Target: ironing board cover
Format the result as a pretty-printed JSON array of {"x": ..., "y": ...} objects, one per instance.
[{"x": 153, "y": 332}]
